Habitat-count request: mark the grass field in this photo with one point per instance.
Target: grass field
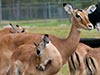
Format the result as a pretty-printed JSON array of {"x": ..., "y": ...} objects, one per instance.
[{"x": 60, "y": 28}]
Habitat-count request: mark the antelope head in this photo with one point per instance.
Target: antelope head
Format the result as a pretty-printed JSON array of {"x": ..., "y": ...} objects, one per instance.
[
  {"x": 40, "y": 48},
  {"x": 41, "y": 52},
  {"x": 17, "y": 29},
  {"x": 78, "y": 17}
]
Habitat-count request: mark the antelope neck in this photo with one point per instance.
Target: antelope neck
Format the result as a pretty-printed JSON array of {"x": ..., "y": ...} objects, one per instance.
[{"x": 71, "y": 42}]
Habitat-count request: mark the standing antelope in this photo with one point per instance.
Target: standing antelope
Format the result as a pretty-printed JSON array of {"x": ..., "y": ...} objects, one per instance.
[
  {"x": 44, "y": 55},
  {"x": 76, "y": 61},
  {"x": 92, "y": 62},
  {"x": 66, "y": 47}
]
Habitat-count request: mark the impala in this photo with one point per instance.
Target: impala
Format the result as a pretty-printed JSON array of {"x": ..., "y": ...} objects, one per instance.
[
  {"x": 76, "y": 61},
  {"x": 43, "y": 55},
  {"x": 13, "y": 29}
]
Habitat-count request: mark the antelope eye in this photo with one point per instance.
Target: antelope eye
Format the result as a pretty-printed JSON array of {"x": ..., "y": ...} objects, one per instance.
[
  {"x": 38, "y": 52},
  {"x": 78, "y": 16}
]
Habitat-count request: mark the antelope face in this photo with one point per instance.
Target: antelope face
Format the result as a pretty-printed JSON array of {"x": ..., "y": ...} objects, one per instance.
[
  {"x": 42, "y": 53},
  {"x": 79, "y": 17},
  {"x": 42, "y": 45},
  {"x": 17, "y": 29},
  {"x": 20, "y": 29},
  {"x": 39, "y": 49}
]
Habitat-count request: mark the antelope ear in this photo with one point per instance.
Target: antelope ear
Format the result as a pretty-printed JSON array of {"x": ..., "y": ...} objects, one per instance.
[
  {"x": 12, "y": 27},
  {"x": 45, "y": 38},
  {"x": 17, "y": 25},
  {"x": 91, "y": 9},
  {"x": 68, "y": 8},
  {"x": 36, "y": 44}
]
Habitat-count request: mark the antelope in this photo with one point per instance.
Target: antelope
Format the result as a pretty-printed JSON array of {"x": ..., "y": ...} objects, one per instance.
[
  {"x": 66, "y": 47},
  {"x": 92, "y": 62},
  {"x": 76, "y": 61},
  {"x": 16, "y": 29},
  {"x": 12, "y": 30},
  {"x": 41, "y": 55}
]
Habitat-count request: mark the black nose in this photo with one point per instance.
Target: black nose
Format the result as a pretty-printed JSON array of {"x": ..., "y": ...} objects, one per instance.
[
  {"x": 64, "y": 4},
  {"x": 90, "y": 26},
  {"x": 38, "y": 52},
  {"x": 41, "y": 68}
]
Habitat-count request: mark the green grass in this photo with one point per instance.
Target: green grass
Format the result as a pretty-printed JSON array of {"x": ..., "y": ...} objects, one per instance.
[
  {"x": 63, "y": 31},
  {"x": 39, "y": 23},
  {"x": 60, "y": 28}
]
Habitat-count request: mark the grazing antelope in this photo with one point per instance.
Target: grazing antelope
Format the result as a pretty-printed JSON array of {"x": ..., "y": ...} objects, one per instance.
[
  {"x": 92, "y": 62},
  {"x": 43, "y": 55},
  {"x": 76, "y": 62},
  {"x": 66, "y": 47}
]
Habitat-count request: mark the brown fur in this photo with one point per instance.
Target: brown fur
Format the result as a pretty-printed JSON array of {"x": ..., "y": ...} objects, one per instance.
[
  {"x": 6, "y": 31},
  {"x": 84, "y": 52},
  {"x": 95, "y": 56},
  {"x": 77, "y": 67},
  {"x": 50, "y": 53},
  {"x": 27, "y": 55}
]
